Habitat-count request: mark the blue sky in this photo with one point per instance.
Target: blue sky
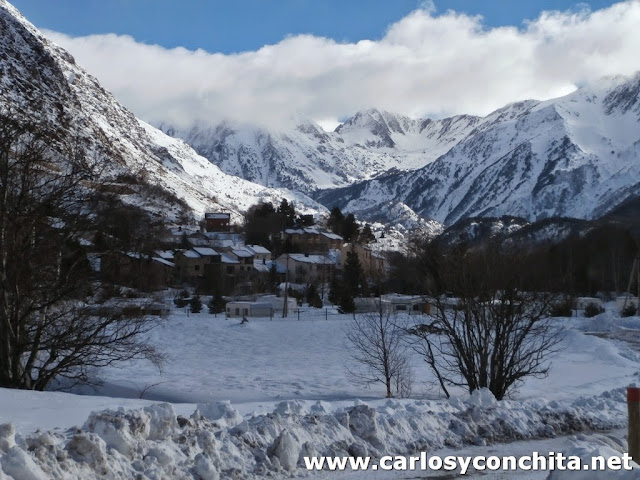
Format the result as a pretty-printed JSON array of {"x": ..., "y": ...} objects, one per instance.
[
  {"x": 274, "y": 61},
  {"x": 239, "y": 25}
]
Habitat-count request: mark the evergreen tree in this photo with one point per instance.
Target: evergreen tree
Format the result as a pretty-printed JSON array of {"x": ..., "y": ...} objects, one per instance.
[
  {"x": 287, "y": 213},
  {"x": 313, "y": 297},
  {"x": 335, "y": 288},
  {"x": 346, "y": 303},
  {"x": 352, "y": 284},
  {"x": 261, "y": 223},
  {"x": 273, "y": 278},
  {"x": 217, "y": 303},
  {"x": 181, "y": 300},
  {"x": 184, "y": 241},
  {"x": 335, "y": 220},
  {"x": 367, "y": 236},
  {"x": 196, "y": 304},
  {"x": 350, "y": 229},
  {"x": 353, "y": 275}
]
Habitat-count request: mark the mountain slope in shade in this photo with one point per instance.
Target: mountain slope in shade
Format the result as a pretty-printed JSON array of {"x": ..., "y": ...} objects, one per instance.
[
  {"x": 575, "y": 156},
  {"x": 38, "y": 79},
  {"x": 306, "y": 158}
]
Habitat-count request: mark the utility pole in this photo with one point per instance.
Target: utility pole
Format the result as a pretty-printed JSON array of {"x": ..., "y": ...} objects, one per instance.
[
  {"x": 628, "y": 292},
  {"x": 285, "y": 307},
  {"x": 638, "y": 281}
]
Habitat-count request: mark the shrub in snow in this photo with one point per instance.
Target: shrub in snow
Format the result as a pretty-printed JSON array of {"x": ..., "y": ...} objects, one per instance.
[
  {"x": 562, "y": 308},
  {"x": 180, "y": 302},
  {"x": 182, "y": 299},
  {"x": 628, "y": 311},
  {"x": 195, "y": 304},
  {"x": 591, "y": 310},
  {"x": 313, "y": 297}
]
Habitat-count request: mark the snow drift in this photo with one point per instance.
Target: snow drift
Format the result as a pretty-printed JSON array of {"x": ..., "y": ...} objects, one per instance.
[{"x": 216, "y": 442}]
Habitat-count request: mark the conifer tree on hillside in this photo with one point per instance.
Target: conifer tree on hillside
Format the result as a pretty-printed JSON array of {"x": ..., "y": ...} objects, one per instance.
[
  {"x": 287, "y": 213},
  {"x": 335, "y": 220},
  {"x": 367, "y": 236},
  {"x": 350, "y": 229},
  {"x": 261, "y": 223}
]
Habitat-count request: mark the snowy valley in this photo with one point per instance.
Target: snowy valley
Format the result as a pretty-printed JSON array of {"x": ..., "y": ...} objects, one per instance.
[
  {"x": 524, "y": 220},
  {"x": 290, "y": 397}
]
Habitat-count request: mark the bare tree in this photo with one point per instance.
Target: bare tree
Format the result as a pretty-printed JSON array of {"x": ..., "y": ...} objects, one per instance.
[
  {"x": 493, "y": 334},
  {"x": 378, "y": 352},
  {"x": 48, "y": 329}
]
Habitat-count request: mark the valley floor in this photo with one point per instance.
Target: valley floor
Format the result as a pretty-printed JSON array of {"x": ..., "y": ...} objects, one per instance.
[{"x": 290, "y": 393}]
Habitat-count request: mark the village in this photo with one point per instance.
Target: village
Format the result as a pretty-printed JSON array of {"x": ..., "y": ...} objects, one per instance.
[{"x": 214, "y": 260}]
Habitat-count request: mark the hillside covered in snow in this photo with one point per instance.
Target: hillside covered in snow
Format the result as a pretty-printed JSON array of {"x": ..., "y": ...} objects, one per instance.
[
  {"x": 305, "y": 157},
  {"x": 41, "y": 81},
  {"x": 575, "y": 156}
]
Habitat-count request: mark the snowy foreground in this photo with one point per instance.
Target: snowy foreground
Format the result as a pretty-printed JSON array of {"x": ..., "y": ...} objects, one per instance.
[{"x": 292, "y": 398}]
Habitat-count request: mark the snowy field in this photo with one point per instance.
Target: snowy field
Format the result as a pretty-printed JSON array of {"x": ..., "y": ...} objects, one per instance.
[
  {"x": 291, "y": 396},
  {"x": 266, "y": 360}
]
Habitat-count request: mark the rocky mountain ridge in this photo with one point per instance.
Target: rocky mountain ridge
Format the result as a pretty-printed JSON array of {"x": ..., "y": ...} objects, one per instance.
[
  {"x": 576, "y": 156},
  {"x": 42, "y": 81}
]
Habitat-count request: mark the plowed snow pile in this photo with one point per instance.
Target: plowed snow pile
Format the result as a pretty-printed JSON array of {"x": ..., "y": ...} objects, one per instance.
[{"x": 217, "y": 442}]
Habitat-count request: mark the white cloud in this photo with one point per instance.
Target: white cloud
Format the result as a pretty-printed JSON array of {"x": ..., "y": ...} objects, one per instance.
[{"x": 424, "y": 65}]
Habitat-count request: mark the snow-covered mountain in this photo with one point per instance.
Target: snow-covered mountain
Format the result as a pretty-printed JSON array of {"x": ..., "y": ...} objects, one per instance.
[
  {"x": 40, "y": 80},
  {"x": 515, "y": 232},
  {"x": 575, "y": 156},
  {"x": 306, "y": 158}
]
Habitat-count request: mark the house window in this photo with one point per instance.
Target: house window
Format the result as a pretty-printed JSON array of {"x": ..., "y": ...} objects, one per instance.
[
  {"x": 237, "y": 311},
  {"x": 196, "y": 267},
  {"x": 229, "y": 269}
]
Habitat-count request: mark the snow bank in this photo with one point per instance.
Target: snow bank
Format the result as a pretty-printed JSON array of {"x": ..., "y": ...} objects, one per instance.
[
  {"x": 587, "y": 447},
  {"x": 216, "y": 442}
]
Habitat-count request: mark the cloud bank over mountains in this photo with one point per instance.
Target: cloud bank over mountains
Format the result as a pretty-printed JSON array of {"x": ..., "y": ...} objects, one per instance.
[{"x": 426, "y": 64}]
